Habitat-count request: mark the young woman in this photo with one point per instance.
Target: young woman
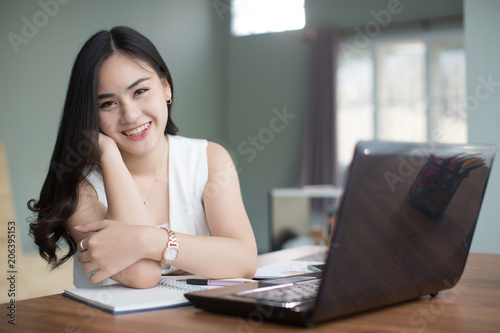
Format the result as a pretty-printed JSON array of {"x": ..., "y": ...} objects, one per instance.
[{"x": 130, "y": 197}]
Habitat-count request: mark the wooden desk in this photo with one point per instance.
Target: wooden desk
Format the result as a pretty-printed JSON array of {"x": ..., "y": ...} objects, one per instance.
[{"x": 472, "y": 306}]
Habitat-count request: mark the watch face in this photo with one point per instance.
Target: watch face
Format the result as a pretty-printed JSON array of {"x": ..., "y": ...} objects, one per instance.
[{"x": 171, "y": 253}]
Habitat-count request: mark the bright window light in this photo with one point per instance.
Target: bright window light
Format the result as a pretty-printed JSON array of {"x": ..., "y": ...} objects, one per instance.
[
  {"x": 262, "y": 16},
  {"x": 402, "y": 90}
]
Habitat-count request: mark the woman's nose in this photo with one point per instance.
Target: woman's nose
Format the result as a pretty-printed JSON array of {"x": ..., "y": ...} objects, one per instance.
[{"x": 129, "y": 112}]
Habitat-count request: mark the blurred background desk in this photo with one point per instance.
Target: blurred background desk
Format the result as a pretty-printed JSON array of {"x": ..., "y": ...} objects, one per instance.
[{"x": 293, "y": 219}]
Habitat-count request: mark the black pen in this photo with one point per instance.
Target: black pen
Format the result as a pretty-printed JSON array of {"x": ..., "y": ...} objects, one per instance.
[{"x": 219, "y": 283}]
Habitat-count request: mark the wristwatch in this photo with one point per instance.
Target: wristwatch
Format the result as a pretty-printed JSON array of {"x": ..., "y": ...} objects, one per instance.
[{"x": 171, "y": 251}]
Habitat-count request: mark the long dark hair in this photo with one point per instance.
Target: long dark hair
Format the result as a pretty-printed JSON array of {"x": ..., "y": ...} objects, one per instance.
[{"x": 76, "y": 148}]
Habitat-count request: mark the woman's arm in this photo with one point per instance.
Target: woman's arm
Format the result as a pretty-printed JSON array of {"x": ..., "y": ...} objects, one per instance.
[
  {"x": 230, "y": 252},
  {"x": 123, "y": 206},
  {"x": 125, "y": 203},
  {"x": 139, "y": 273}
]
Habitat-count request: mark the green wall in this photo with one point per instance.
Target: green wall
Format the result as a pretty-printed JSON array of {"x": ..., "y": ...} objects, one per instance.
[
  {"x": 270, "y": 71},
  {"x": 482, "y": 44},
  {"x": 34, "y": 79},
  {"x": 232, "y": 90}
]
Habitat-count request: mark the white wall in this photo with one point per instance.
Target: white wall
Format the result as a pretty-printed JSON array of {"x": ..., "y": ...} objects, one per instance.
[{"x": 482, "y": 43}]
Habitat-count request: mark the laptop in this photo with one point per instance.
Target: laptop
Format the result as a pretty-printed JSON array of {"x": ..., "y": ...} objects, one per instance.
[{"x": 403, "y": 230}]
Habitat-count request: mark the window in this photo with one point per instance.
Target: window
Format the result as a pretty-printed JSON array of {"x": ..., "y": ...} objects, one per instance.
[
  {"x": 262, "y": 16},
  {"x": 355, "y": 104},
  {"x": 401, "y": 96},
  {"x": 402, "y": 90}
]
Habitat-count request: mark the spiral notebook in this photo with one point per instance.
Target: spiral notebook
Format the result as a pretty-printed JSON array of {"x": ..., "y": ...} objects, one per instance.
[{"x": 119, "y": 299}]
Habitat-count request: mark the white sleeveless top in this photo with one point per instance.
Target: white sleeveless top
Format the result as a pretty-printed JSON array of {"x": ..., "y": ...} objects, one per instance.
[{"x": 187, "y": 178}]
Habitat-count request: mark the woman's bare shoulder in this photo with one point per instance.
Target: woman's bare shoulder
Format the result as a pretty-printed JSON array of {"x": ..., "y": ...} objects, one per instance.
[{"x": 216, "y": 152}]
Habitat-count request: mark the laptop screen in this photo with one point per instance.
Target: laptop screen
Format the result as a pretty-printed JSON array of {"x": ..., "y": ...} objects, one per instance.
[{"x": 405, "y": 223}]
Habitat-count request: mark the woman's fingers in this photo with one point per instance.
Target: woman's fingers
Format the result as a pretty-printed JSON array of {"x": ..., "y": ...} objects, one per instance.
[
  {"x": 83, "y": 257},
  {"x": 91, "y": 227},
  {"x": 89, "y": 267},
  {"x": 98, "y": 276},
  {"x": 108, "y": 247},
  {"x": 106, "y": 143}
]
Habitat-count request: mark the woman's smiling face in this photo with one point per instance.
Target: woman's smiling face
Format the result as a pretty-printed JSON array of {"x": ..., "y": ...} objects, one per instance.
[{"x": 132, "y": 104}]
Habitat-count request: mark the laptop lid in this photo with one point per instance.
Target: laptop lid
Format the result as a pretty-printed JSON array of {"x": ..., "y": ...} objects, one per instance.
[
  {"x": 403, "y": 230},
  {"x": 405, "y": 224}
]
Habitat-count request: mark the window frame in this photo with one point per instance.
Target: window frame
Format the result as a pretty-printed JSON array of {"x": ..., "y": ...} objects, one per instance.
[{"x": 429, "y": 39}]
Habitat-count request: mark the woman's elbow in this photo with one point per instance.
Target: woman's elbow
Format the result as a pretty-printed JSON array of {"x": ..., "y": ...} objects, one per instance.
[
  {"x": 250, "y": 274},
  {"x": 146, "y": 282},
  {"x": 143, "y": 274},
  {"x": 250, "y": 268}
]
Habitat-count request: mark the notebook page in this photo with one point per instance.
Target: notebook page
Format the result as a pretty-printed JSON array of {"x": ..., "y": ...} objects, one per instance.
[{"x": 119, "y": 299}]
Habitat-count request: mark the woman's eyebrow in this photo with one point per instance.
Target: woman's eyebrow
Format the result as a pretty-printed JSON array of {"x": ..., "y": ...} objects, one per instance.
[
  {"x": 137, "y": 82},
  {"x": 101, "y": 96}
]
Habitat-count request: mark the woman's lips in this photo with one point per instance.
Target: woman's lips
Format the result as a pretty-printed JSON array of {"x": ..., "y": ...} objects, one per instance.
[{"x": 138, "y": 133}]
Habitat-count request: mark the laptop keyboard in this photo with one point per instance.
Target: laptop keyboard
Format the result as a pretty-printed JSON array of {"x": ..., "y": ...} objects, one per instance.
[{"x": 293, "y": 293}]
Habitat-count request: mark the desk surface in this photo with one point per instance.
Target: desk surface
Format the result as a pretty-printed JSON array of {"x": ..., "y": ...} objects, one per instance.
[{"x": 471, "y": 306}]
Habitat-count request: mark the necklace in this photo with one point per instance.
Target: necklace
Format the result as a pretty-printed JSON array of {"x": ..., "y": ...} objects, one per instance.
[{"x": 157, "y": 178}]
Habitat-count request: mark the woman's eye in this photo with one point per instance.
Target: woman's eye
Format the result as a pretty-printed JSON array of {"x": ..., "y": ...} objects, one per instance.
[
  {"x": 106, "y": 104},
  {"x": 141, "y": 91}
]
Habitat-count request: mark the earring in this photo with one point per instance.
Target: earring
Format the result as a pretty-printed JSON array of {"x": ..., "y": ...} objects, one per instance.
[{"x": 169, "y": 101}]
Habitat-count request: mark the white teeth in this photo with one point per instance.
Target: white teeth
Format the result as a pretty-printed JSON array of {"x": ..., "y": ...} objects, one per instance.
[{"x": 137, "y": 131}]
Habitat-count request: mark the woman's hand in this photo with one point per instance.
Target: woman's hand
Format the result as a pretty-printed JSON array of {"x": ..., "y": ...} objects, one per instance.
[
  {"x": 113, "y": 247},
  {"x": 106, "y": 144}
]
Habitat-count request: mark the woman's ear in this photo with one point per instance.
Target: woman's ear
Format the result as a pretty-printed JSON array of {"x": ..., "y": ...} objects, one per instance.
[{"x": 166, "y": 87}]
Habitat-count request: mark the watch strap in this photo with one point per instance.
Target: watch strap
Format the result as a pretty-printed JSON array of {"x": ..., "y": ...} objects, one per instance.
[{"x": 171, "y": 242}]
